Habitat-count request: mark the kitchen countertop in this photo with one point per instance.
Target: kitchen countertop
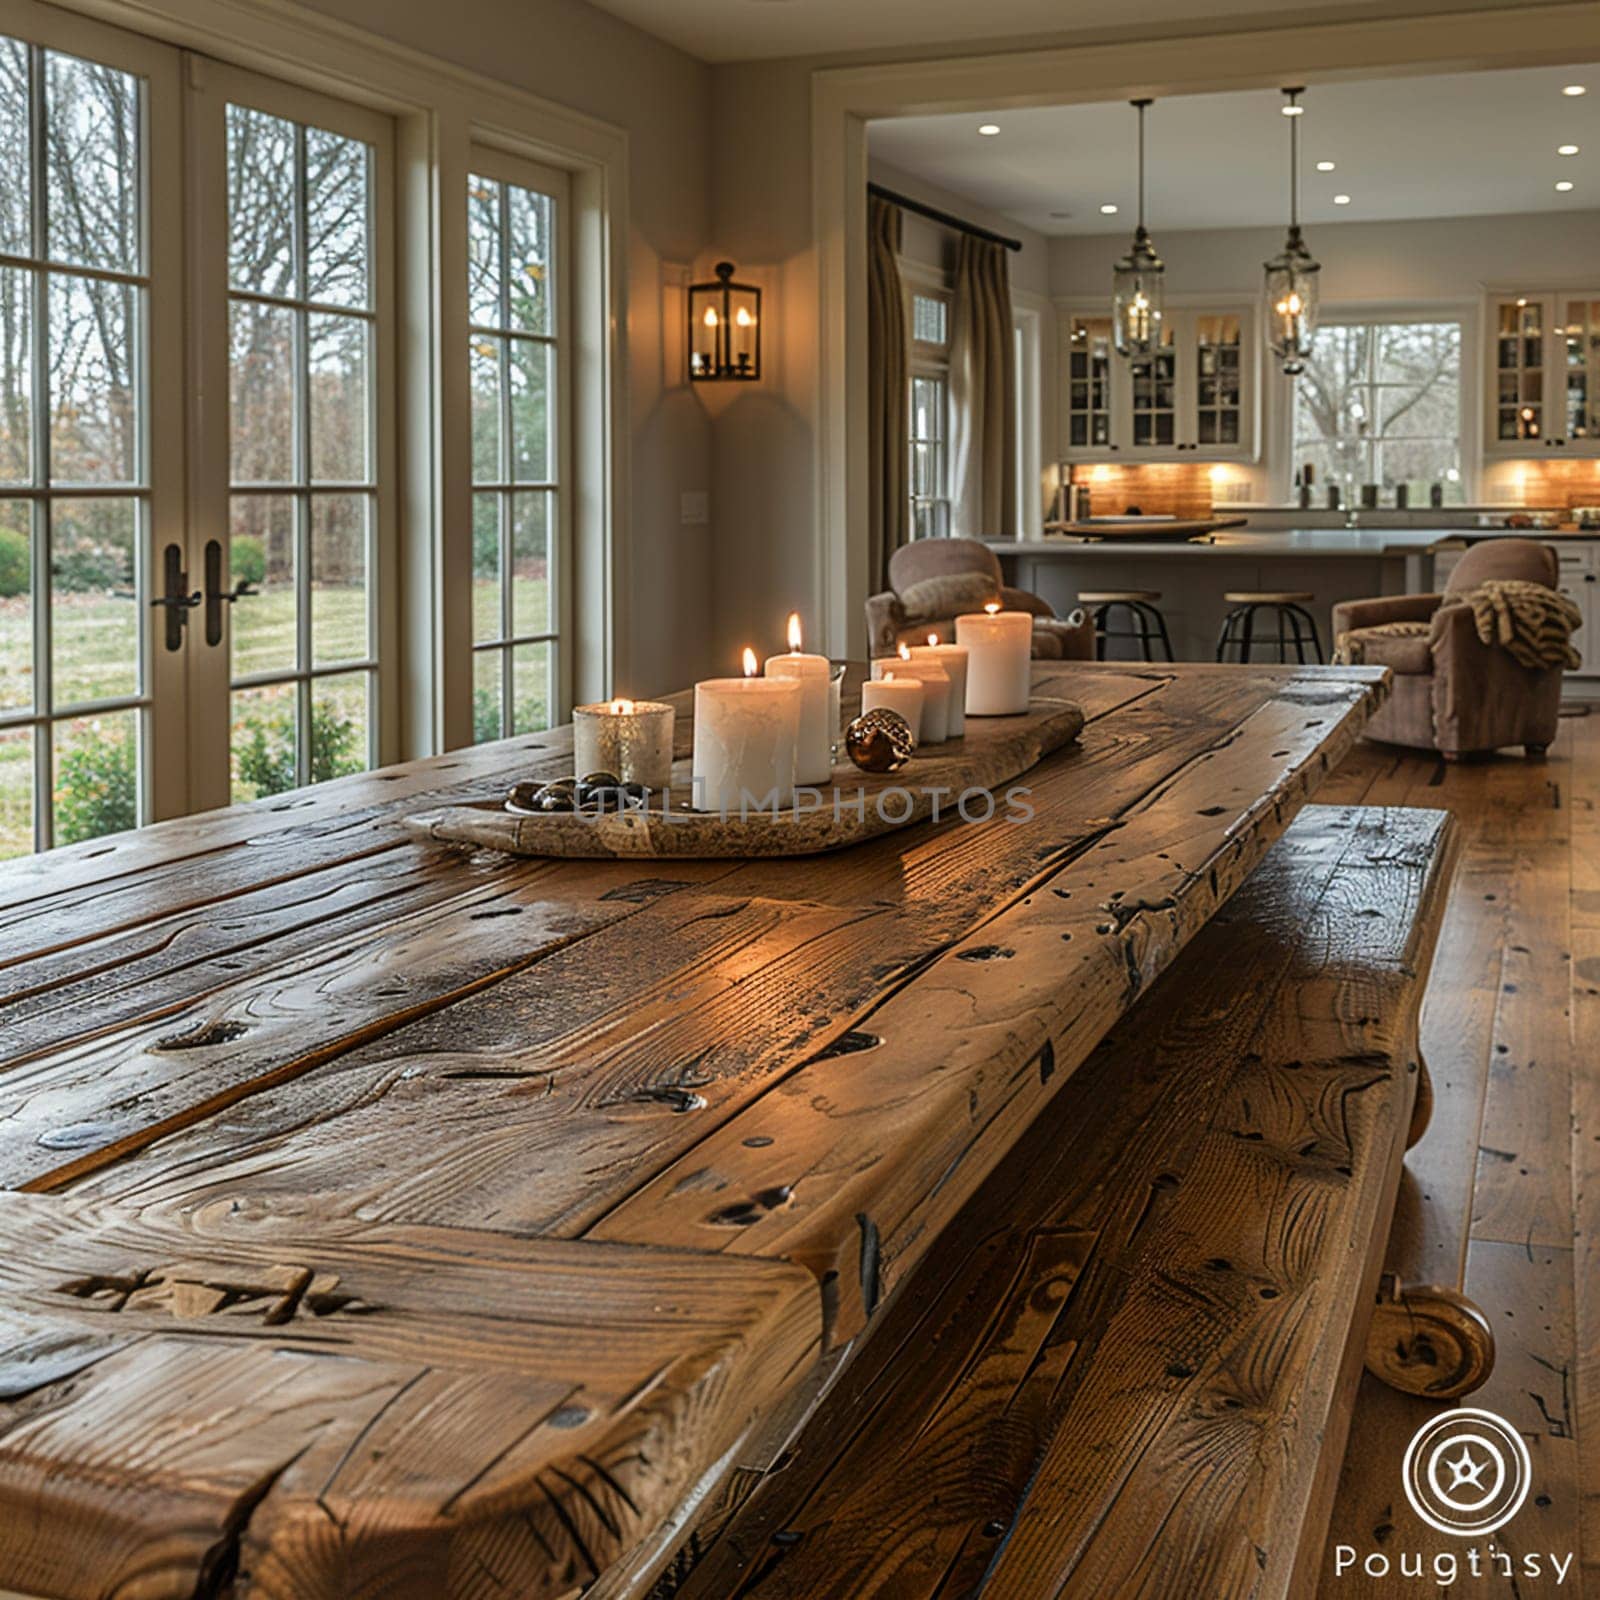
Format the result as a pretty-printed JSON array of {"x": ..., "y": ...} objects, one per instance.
[{"x": 1320, "y": 543}]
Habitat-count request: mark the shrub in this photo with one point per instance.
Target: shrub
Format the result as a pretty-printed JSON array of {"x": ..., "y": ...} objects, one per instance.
[
  {"x": 485, "y": 716},
  {"x": 247, "y": 557},
  {"x": 16, "y": 563},
  {"x": 266, "y": 759},
  {"x": 97, "y": 791}
]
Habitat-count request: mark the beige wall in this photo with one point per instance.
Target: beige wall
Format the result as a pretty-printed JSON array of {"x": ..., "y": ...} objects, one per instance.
[{"x": 588, "y": 61}]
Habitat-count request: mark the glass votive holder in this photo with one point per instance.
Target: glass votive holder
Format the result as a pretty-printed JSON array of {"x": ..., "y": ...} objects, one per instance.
[
  {"x": 836, "y": 672},
  {"x": 632, "y": 739}
]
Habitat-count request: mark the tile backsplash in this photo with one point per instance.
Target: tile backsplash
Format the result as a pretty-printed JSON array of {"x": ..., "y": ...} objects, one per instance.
[{"x": 1561, "y": 484}]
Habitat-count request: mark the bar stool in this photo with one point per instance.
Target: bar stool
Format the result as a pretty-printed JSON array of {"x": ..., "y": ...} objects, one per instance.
[
  {"x": 1288, "y": 608},
  {"x": 1146, "y": 624}
]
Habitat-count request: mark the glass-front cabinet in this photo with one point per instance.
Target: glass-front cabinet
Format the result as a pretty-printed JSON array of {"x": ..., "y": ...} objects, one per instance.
[
  {"x": 1542, "y": 368},
  {"x": 1195, "y": 400}
]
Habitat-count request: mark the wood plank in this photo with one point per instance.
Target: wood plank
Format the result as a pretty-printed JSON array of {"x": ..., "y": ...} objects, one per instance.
[
  {"x": 608, "y": 1056},
  {"x": 1110, "y": 1341},
  {"x": 875, "y": 1154},
  {"x": 372, "y": 1415}
]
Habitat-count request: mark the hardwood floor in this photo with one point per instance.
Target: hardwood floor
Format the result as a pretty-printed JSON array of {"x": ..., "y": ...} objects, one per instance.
[{"x": 1502, "y": 1196}]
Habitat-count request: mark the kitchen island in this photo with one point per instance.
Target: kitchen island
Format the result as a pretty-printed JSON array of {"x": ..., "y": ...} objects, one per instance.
[{"x": 1333, "y": 564}]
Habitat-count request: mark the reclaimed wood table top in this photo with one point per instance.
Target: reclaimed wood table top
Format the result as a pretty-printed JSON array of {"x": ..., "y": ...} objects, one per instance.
[{"x": 390, "y": 1219}]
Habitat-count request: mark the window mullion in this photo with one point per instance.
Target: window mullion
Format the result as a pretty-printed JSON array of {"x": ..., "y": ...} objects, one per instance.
[
  {"x": 42, "y": 522},
  {"x": 302, "y": 464}
]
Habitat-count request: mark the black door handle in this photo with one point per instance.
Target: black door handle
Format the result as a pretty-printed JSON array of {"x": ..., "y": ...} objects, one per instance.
[
  {"x": 175, "y": 600},
  {"x": 216, "y": 596}
]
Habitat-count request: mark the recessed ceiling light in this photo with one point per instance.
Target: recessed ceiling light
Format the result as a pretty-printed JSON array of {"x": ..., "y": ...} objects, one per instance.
[
  {"x": 1566, "y": 149},
  {"x": 1325, "y": 166},
  {"x": 1564, "y": 186},
  {"x": 1108, "y": 211},
  {"x": 1292, "y": 110},
  {"x": 1341, "y": 199},
  {"x": 1575, "y": 89},
  {"x": 988, "y": 129}
]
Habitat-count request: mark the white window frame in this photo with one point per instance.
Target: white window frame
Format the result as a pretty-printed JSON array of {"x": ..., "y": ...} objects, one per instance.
[
  {"x": 1030, "y": 315},
  {"x": 440, "y": 112},
  {"x": 927, "y": 360},
  {"x": 1279, "y": 395},
  {"x": 519, "y": 172}
]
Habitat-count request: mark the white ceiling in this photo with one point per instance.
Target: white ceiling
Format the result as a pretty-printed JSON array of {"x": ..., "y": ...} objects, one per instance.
[
  {"x": 745, "y": 30},
  {"x": 1474, "y": 144}
]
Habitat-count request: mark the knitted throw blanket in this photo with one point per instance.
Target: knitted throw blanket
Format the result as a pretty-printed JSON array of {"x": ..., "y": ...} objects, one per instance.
[
  {"x": 1350, "y": 649},
  {"x": 1531, "y": 623}
]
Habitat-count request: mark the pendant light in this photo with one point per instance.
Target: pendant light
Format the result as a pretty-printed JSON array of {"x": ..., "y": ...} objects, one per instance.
[
  {"x": 1292, "y": 273},
  {"x": 1136, "y": 308}
]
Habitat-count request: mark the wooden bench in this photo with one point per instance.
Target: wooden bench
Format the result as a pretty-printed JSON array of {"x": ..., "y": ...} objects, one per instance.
[{"x": 1128, "y": 1367}]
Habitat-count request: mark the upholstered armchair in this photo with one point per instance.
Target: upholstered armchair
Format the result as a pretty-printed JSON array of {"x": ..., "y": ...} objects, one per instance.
[
  {"x": 934, "y": 580},
  {"x": 1451, "y": 692}
]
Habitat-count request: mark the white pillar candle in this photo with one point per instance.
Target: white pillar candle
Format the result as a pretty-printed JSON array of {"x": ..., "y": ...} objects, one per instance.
[
  {"x": 999, "y": 648},
  {"x": 745, "y": 734},
  {"x": 953, "y": 658},
  {"x": 814, "y": 751},
  {"x": 889, "y": 693},
  {"x": 631, "y": 739},
  {"x": 936, "y": 689}
]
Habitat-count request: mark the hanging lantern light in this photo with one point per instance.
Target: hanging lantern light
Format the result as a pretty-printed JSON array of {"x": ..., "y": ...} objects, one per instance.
[
  {"x": 1292, "y": 273},
  {"x": 1136, "y": 305}
]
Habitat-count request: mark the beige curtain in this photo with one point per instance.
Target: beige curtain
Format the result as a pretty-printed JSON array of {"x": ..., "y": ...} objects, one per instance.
[
  {"x": 983, "y": 395},
  {"x": 888, "y": 384}
]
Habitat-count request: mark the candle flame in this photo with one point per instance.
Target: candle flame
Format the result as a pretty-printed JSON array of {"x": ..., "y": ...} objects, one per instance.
[
  {"x": 992, "y": 607},
  {"x": 905, "y": 652},
  {"x": 750, "y": 662},
  {"x": 933, "y": 638},
  {"x": 794, "y": 630},
  {"x": 710, "y": 317},
  {"x": 621, "y": 708},
  {"x": 743, "y": 318}
]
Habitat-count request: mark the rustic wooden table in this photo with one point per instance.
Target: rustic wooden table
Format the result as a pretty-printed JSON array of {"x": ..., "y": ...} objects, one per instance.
[{"x": 389, "y": 1220}]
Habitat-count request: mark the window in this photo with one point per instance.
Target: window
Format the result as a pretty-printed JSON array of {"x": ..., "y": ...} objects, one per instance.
[
  {"x": 302, "y": 307},
  {"x": 1380, "y": 403},
  {"x": 516, "y": 288},
  {"x": 930, "y": 413}
]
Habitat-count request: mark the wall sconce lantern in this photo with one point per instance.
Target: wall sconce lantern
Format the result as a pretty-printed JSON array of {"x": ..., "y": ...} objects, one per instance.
[{"x": 724, "y": 328}]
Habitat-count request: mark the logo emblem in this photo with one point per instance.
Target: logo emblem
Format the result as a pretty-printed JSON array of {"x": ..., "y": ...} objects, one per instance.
[{"x": 1466, "y": 1472}]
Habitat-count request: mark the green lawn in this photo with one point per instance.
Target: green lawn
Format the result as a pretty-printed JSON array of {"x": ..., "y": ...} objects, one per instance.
[{"x": 93, "y": 645}]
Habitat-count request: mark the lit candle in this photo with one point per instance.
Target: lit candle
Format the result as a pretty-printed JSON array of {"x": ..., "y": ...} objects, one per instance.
[
  {"x": 890, "y": 693},
  {"x": 936, "y": 690},
  {"x": 631, "y": 739},
  {"x": 953, "y": 658},
  {"x": 999, "y": 648},
  {"x": 814, "y": 753},
  {"x": 745, "y": 733}
]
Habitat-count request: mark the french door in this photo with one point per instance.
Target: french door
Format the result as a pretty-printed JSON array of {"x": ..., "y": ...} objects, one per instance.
[{"x": 196, "y": 524}]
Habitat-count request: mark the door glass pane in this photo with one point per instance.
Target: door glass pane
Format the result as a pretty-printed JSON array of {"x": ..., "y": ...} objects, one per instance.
[
  {"x": 338, "y": 726},
  {"x": 16, "y": 223},
  {"x": 16, "y": 792},
  {"x": 16, "y": 605},
  {"x": 486, "y": 617},
  {"x": 265, "y": 631},
  {"x": 339, "y": 401},
  {"x": 16, "y": 374},
  {"x": 265, "y": 741},
  {"x": 486, "y": 353},
  {"x": 94, "y": 611},
  {"x": 530, "y": 687},
  {"x": 530, "y": 264},
  {"x": 338, "y": 230},
  {"x": 262, "y": 392},
  {"x": 261, "y": 223},
  {"x": 93, "y": 420},
  {"x": 487, "y": 667},
  {"x": 92, "y": 163},
  {"x": 96, "y": 776},
  {"x": 530, "y": 411},
  {"x": 483, "y": 251},
  {"x": 338, "y": 578},
  {"x": 530, "y": 563}
]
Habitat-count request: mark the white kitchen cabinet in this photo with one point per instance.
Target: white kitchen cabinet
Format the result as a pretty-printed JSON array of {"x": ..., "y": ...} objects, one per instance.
[
  {"x": 1198, "y": 399},
  {"x": 1542, "y": 374}
]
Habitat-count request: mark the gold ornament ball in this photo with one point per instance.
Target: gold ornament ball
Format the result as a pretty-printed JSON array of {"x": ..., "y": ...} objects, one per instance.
[{"x": 879, "y": 741}]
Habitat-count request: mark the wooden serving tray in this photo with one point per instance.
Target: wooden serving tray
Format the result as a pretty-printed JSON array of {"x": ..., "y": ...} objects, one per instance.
[{"x": 989, "y": 756}]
